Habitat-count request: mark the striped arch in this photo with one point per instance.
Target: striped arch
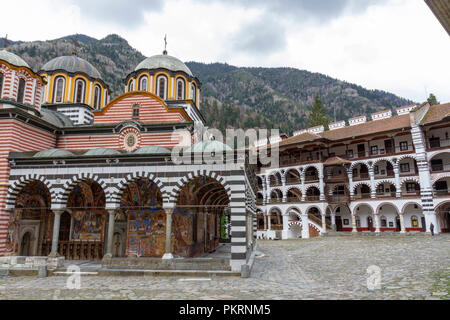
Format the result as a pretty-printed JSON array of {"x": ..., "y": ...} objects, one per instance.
[
  {"x": 294, "y": 223},
  {"x": 69, "y": 185},
  {"x": 315, "y": 166},
  {"x": 361, "y": 183},
  {"x": 354, "y": 164},
  {"x": 403, "y": 157},
  {"x": 16, "y": 187},
  {"x": 123, "y": 183},
  {"x": 390, "y": 181},
  {"x": 439, "y": 177},
  {"x": 409, "y": 203},
  {"x": 313, "y": 185},
  {"x": 409, "y": 179},
  {"x": 300, "y": 224},
  {"x": 194, "y": 175},
  {"x": 391, "y": 161},
  {"x": 294, "y": 187},
  {"x": 295, "y": 210}
]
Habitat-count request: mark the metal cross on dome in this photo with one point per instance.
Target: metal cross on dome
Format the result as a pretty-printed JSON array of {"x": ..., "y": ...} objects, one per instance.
[{"x": 165, "y": 45}]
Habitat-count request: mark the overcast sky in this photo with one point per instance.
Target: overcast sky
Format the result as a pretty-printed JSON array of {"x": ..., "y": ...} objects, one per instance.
[{"x": 393, "y": 45}]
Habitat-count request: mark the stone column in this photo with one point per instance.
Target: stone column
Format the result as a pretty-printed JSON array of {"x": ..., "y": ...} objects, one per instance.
[
  {"x": 321, "y": 187},
  {"x": 354, "y": 229},
  {"x": 402, "y": 223},
  {"x": 285, "y": 232},
  {"x": 265, "y": 221},
  {"x": 168, "y": 252},
  {"x": 377, "y": 223},
  {"x": 56, "y": 225},
  {"x": 324, "y": 224},
  {"x": 302, "y": 180},
  {"x": 269, "y": 222},
  {"x": 284, "y": 199},
  {"x": 305, "y": 226},
  {"x": 109, "y": 243},
  {"x": 333, "y": 221},
  {"x": 373, "y": 192},
  {"x": 350, "y": 184},
  {"x": 398, "y": 186}
]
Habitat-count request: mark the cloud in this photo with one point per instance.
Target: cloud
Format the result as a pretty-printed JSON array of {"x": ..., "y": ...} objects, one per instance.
[
  {"x": 261, "y": 37},
  {"x": 128, "y": 14},
  {"x": 302, "y": 10}
]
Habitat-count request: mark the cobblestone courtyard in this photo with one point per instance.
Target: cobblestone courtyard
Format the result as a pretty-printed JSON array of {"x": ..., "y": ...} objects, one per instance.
[{"x": 412, "y": 267}]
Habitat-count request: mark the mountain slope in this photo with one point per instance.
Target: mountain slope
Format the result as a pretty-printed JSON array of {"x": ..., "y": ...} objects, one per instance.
[{"x": 231, "y": 96}]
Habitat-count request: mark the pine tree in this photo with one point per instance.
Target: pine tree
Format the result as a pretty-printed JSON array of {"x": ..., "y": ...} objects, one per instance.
[
  {"x": 318, "y": 116},
  {"x": 432, "y": 100}
]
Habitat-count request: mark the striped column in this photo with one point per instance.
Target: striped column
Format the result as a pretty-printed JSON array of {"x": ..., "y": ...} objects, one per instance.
[
  {"x": 238, "y": 230},
  {"x": 426, "y": 190}
]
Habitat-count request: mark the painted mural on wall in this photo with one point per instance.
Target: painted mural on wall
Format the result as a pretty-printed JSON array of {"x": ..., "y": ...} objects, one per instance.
[
  {"x": 146, "y": 219},
  {"x": 87, "y": 202},
  {"x": 32, "y": 203}
]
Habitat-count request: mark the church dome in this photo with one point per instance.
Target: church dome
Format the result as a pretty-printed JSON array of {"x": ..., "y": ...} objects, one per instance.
[
  {"x": 72, "y": 64},
  {"x": 152, "y": 150},
  {"x": 53, "y": 153},
  {"x": 164, "y": 61},
  {"x": 13, "y": 59},
  {"x": 208, "y": 146},
  {"x": 101, "y": 152}
]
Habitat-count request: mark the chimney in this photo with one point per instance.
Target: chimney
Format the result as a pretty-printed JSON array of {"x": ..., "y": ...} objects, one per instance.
[
  {"x": 299, "y": 132},
  {"x": 337, "y": 125},
  {"x": 357, "y": 120},
  {"x": 385, "y": 114},
  {"x": 318, "y": 129},
  {"x": 405, "y": 109}
]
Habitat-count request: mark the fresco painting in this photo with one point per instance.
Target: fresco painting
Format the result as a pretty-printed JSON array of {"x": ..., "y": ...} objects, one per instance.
[
  {"x": 146, "y": 219},
  {"x": 87, "y": 202},
  {"x": 32, "y": 203}
]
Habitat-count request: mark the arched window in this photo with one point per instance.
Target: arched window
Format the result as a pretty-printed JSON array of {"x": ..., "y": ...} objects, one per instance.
[
  {"x": 97, "y": 96},
  {"x": 130, "y": 85},
  {"x": 21, "y": 91},
  {"x": 1, "y": 84},
  {"x": 135, "y": 111},
  {"x": 143, "y": 83},
  {"x": 59, "y": 90},
  {"x": 414, "y": 222},
  {"x": 79, "y": 90},
  {"x": 194, "y": 93},
  {"x": 162, "y": 87},
  {"x": 180, "y": 89}
]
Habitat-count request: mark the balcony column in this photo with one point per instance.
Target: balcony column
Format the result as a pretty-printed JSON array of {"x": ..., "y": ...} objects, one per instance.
[
  {"x": 283, "y": 179},
  {"x": 377, "y": 223},
  {"x": 350, "y": 183},
  {"x": 168, "y": 246},
  {"x": 354, "y": 229},
  {"x": 302, "y": 180},
  {"x": 324, "y": 224},
  {"x": 398, "y": 186},
  {"x": 265, "y": 221},
  {"x": 373, "y": 192},
  {"x": 321, "y": 187},
  {"x": 109, "y": 243},
  {"x": 305, "y": 226},
  {"x": 402, "y": 223},
  {"x": 333, "y": 221},
  {"x": 269, "y": 222},
  {"x": 284, "y": 200},
  {"x": 55, "y": 239}
]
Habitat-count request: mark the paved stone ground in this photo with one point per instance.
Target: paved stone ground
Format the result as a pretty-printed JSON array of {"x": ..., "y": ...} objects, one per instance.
[{"x": 413, "y": 267}]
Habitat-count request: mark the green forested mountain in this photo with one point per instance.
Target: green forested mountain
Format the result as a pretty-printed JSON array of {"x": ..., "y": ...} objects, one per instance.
[{"x": 231, "y": 96}]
